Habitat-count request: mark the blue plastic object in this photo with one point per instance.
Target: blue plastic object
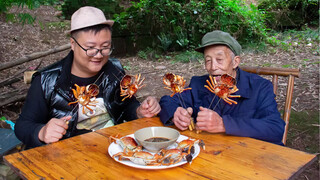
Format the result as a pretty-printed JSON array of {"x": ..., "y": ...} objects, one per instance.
[{"x": 8, "y": 122}]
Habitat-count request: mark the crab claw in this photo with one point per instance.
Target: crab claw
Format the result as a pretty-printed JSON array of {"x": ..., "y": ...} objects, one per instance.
[
  {"x": 202, "y": 145},
  {"x": 189, "y": 158}
]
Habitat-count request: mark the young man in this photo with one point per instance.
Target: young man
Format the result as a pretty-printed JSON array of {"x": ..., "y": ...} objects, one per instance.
[
  {"x": 53, "y": 110},
  {"x": 255, "y": 114}
]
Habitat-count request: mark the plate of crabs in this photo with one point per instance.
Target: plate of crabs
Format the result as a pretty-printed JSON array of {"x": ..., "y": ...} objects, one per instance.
[{"x": 141, "y": 158}]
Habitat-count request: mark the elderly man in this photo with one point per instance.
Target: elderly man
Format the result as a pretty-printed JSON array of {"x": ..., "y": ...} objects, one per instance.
[
  {"x": 81, "y": 92},
  {"x": 255, "y": 114}
]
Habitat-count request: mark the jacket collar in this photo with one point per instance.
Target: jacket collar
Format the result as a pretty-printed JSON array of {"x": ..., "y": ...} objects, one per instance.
[
  {"x": 65, "y": 77},
  {"x": 243, "y": 84}
]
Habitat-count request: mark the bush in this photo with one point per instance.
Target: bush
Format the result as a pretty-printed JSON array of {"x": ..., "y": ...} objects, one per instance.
[
  {"x": 109, "y": 7},
  {"x": 285, "y": 14},
  {"x": 185, "y": 22},
  {"x": 22, "y": 18}
]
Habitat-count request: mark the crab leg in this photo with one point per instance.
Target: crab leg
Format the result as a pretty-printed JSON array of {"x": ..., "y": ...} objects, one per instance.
[{"x": 230, "y": 101}]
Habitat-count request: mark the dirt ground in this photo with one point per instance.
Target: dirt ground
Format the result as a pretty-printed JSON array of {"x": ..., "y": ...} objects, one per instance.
[{"x": 18, "y": 41}]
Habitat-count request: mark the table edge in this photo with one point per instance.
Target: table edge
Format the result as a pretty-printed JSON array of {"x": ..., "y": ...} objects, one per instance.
[{"x": 304, "y": 167}]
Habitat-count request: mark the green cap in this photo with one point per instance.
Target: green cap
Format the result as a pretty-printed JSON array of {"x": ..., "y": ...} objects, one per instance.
[{"x": 220, "y": 37}]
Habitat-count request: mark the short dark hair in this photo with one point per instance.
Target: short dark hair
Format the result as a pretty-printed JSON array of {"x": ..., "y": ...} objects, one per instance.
[{"x": 95, "y": 29}]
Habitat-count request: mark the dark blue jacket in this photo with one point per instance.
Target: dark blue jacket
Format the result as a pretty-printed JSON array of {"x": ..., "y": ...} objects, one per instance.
[{"x": 256, "y": 114}]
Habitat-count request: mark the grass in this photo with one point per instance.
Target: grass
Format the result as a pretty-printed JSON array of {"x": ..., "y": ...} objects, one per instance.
[
  {"x": 289, "y": 39},
  {"x": 303, "y": 133},
  {"x": 57, "y": 25},
  {"x": 188, "y": 56}
]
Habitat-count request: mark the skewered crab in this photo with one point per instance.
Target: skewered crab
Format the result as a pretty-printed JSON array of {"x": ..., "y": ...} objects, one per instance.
[
  {"x": 228, "y": 80},
  {"x": 129, "y": 85},
  {"x": 224, "y": 88},
  {"x": 174, "y": 83},
  {"x": 139, "y": 157},
  {"x": 85, "y": 96},
  {"x": 127, "y": 143}
]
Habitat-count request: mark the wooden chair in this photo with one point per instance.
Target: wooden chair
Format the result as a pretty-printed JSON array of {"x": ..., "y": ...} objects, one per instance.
[{"x": 276, "y": 72}]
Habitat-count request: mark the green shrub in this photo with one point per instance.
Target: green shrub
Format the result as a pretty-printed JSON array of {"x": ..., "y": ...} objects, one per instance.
[
  {"x": 165, "y": 41},
  {"x": 182, "y": 38},
  {"x": 22, "y": 18},
  {"x": 185, "y": 22},
  {"x": 109, "y": 7},
  {"x": 290, "y": 13}
]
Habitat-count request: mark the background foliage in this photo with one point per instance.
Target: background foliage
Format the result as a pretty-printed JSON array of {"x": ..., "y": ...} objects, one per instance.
[
  {"x": 181, "y": 24},
  {"x": 286, "y": 14},
  {"x": 23, "y": 18},
  {"x": 178, "y": 25},
  {"x": 109, "y": 7}
]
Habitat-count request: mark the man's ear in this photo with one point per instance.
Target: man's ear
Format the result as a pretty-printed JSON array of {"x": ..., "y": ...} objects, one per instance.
[
  {"x": 236, "y": 62},
  {"x": 72, "y": 44}
]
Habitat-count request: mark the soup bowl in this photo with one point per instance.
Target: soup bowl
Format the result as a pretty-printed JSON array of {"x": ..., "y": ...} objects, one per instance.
[{"x": 155, "y": 138}]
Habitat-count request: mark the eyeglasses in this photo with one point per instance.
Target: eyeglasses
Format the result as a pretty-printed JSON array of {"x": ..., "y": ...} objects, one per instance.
[{"x": 94, "y": 51}]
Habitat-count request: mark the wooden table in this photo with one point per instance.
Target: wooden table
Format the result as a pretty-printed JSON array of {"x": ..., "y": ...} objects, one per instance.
[{"x": 224, "y": 157}]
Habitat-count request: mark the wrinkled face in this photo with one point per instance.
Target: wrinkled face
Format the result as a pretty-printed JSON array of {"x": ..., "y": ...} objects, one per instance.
[
  {"x": 83, "y": 65},
  {"x": 218, "y": 60}
]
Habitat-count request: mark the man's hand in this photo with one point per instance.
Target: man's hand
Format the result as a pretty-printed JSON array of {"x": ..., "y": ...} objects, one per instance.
[
  {"x": 182, "y": 118},
  {"x": 54, "y": 130},
  {"x": 148, "y": 108},
  {"x": 209, "y": 120}
]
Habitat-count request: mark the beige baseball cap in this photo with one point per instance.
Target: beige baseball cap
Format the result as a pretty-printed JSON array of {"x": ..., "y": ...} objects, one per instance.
[{"x": 88, "y": 16}]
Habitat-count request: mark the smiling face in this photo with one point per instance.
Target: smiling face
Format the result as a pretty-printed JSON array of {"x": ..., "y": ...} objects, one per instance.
[
  {"x": 83, "y": 65},
  {"x": 219, "y": 60}
]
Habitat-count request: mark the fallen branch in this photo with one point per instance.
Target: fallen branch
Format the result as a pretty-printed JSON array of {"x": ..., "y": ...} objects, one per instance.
[
  {"x": 17, "y": 98},
  {"x": 33, "y": 56},
  {"x": 10, "y": 81},
  {"x": 12, "y": 97},
  {"x": 17, "y": 77}
]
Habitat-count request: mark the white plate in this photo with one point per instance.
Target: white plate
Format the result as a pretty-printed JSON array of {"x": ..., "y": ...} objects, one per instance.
[{"x": 115, "y": 148}]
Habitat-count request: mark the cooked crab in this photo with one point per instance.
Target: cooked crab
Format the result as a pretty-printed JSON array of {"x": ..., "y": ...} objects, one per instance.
[
  {"x": 139, "y": 157},
  {"x": 85, "y": 96},
  {"x": 187, "y": 145},
  {"x": 129, "y": 85},
  {"x": 127, "y": 143},
  {"x": 224, "y": 88},
  {"x": 173, "y": 156},
  {"x": 174, "y": 83}
]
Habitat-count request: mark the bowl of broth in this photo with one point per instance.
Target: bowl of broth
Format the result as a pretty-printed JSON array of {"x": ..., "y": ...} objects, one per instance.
[{"x": 155, "y": 138}]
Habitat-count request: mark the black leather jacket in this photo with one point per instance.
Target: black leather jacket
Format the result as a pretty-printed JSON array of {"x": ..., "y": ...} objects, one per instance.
[{"x": 56, "y": 87}]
